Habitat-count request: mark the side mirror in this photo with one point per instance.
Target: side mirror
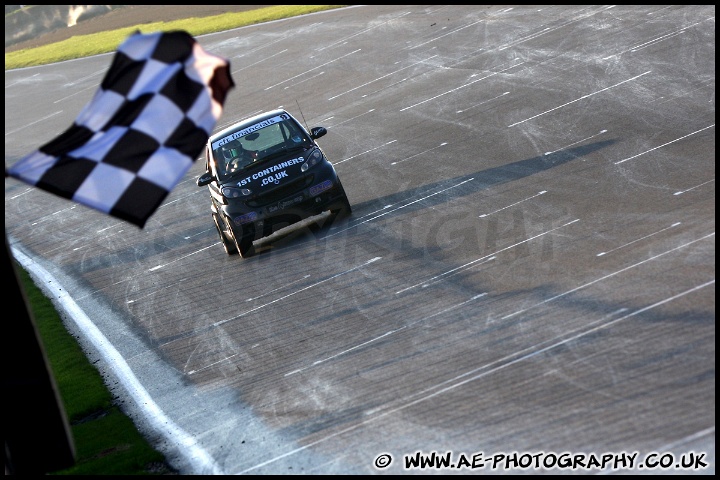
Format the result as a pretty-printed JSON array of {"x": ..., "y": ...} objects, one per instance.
[
  {"x": 317, "y": 132},
  {"x": 204, "y": 179}
]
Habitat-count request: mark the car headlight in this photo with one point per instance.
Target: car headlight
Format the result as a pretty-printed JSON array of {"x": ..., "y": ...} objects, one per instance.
[
  {"x": 314, "y": 159},
  {"x": 235, "y": 192}
]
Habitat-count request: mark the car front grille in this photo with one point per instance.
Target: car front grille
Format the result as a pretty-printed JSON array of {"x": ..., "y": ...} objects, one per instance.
[{"x": 281, "y": 192}]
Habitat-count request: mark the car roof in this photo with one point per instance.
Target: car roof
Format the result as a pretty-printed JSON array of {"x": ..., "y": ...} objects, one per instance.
[{"x": 246, "y": 122}]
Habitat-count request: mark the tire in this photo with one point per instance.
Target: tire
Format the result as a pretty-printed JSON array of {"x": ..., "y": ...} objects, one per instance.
[
  {"x": 228, "y": 245},
  {"x": 243, "y": 245},
  {"x": 335, "y": 213},
  {"x": 345, "y": 210}
]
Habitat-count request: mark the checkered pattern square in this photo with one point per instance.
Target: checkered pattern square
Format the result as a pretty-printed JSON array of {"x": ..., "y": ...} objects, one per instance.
[{"x": 145, "y": 126}]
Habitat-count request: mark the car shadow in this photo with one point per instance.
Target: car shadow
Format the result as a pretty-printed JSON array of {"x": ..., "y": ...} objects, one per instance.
[
  {"x": 319, "y": 227},
  {"x": 408, "y": 199}
]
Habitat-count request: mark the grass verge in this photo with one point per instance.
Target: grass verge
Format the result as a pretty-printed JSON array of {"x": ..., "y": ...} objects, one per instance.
[
  {"x": 87, "y": 45},
  {"x": 106, "y": 440}
]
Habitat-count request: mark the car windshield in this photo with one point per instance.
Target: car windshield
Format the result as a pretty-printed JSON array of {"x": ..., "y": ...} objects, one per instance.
[{"x": 256, "y": 143}]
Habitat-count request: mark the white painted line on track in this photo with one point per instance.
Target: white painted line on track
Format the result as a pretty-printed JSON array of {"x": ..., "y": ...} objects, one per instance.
[
  {"x": 432, "y": 282},
  {"x": 186, "y": 444},
  {"x": 202, "y": 232},
  {"x": 86, "y": 77},
  {"x": 156, "y": 291},
  {"x": 446, "y": 34},
  {"x": 462, "y": 86},
  {"x": 366, "y": 151},
  {"x": 91, "y": 87},
  {"x": 21, "y": 81},
  {"x": 665, "y": 144},
  {"x": 24, "y": 192},
  {"x": 350, "y": 119},
  {"x": 380, "y": 78},
  {"x": 693, "y": 188},
  {"x": 417, "y": 154},
  {"x": 578, "y": 99},
  {"x": 482, "y": 103},
  {"x": 318, "y": 362},
  {"x": 32, "y": 123},
  {"x": 264, "y": 59},
  {"x": 575, "y": 143},
  {"x": 50, "y": 216},
  {"x": 315, "y": 68},
  {"x": 375, "y": 26},
  {"x": 534, "y": 350},
  {"x": 662, "y": 37},
  {"x": 113, "y": 226},
  {"x": 279, "y": 288},
  {"x": 554, "y": 28},
  {"x": 303, "y": 81},
  {"x": 510, "y": 360},
  {"x": 467, "y": 265},
  {"x": 608, "y": 276},
  {"x": 181, "y": 258},
  {"x": 398, "y": 208},
  {"x": 512, "y": 205},
  {"x": 297, "y": 291},
  {"x": 637, "y": 240},
  {"x": 210, "y": 365}
]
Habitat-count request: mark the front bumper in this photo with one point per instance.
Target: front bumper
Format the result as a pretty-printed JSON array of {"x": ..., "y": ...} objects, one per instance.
[{"x": 315, "y": 194}]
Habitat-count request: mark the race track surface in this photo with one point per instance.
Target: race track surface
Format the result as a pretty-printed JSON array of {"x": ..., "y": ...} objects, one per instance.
[{"x": 529, "y": 267}]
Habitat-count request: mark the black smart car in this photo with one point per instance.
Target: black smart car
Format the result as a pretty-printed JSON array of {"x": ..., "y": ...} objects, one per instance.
[{"x": 266, "y": 173}]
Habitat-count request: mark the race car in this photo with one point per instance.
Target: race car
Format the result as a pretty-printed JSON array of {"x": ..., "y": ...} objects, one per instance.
[{"x": 265, "y": 173}]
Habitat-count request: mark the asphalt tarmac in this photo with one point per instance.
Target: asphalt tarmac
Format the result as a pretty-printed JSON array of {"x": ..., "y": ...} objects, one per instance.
[{"x": 527, "y": 279}]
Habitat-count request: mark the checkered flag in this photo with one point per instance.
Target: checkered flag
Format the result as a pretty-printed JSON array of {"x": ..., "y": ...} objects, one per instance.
[{"x": 141, "y": 132}]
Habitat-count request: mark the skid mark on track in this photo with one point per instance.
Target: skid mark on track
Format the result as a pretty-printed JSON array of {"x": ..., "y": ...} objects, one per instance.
[
  {"x": 578, "y": 99},
  {"x": 462, "y": 86},
  {"x": 318, "y": 362},
  {"x": 216, "y": 324},
  {"x": 608, "y": 276},
  {"x": 380, "y": 78},
  {"x": 401, "y": 206},
  {"x": 469, "y": 264},
  {"x": 478, "y": 373}
]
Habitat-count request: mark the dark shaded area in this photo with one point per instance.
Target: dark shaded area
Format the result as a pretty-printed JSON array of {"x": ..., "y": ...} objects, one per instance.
[{"x": 34, "y": 419}]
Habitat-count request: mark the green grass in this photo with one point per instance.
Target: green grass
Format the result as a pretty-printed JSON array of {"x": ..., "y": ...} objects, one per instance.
[
  {"x": 86, "y": 45},
  {"x": 106, "y": 440}
]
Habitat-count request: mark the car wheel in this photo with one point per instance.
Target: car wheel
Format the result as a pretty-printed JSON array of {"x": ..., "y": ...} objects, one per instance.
[
  {"x": 345, "y": 210},
  {"x": 342, "y": 211},
  {"x": 243, "y": 245},
  {"x": 228, "y": 245}
]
